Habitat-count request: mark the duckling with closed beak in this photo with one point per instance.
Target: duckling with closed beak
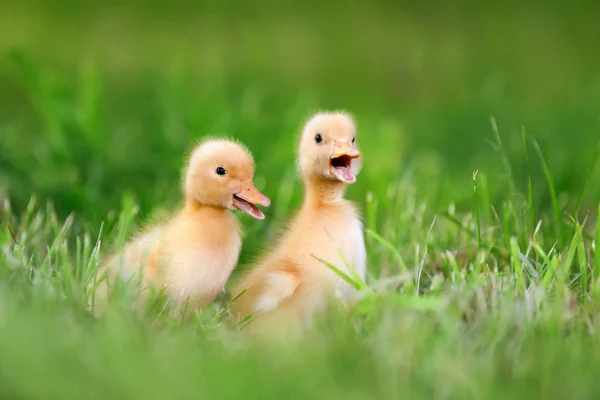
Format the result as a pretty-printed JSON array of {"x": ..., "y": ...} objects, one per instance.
[
  {"x": 194, "y": 253},
  {"x": 293, "y": 280}
]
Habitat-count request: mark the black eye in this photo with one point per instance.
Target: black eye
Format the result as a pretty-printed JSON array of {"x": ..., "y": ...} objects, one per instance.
[
  {"x": 221, "y": 171},
  {"x": 318, "y": 138},
  {"x": 353, "y": 139}
]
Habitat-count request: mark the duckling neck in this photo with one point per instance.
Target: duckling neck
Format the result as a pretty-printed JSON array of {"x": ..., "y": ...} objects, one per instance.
[
  {"x": 194, "y": 207},
  {"x": 323, "y": 191}
]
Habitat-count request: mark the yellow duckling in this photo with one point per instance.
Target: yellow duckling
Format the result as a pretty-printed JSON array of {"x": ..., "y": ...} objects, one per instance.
[
  {"x": 193, "y": 254},
  {"x": 292, "y": 280}
]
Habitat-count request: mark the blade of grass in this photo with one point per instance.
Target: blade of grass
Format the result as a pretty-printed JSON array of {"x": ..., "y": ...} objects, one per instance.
[
  {"x": 583, "y": 270},
  {"x": 8, "y": 221},
  {"x": 420, "y": 303},
  {"x": 516, "y": 262},
  {"x": 478, "y": 216},
  {"x": 597, "y": 251},
  {"x": 565, "y": 270},
  {"x": 390, "y": 247},
  {"x": 422, "y": 263},
  {"x": 345, "y": 277},
  {"x": 453, "y": 264},
  {"x": 551, "y": 189},
  {"x": 530, "y": 197},
  {"x": 545, "y": 269}
]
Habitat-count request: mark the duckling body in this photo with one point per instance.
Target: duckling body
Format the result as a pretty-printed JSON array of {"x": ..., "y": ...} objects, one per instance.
[
  {"x": 200, "y": 248},
  {"x": 292, "y": 283},
  {"x": 192, "y": 255}
]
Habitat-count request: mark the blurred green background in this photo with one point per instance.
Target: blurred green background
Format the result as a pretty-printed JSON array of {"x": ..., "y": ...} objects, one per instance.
[{"x": 102, "y": 99}]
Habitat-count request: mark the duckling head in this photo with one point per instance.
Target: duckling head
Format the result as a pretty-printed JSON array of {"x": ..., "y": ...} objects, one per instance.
[
  {"x": 328, "y": 148},
  {"x": 219, "y": 174}
]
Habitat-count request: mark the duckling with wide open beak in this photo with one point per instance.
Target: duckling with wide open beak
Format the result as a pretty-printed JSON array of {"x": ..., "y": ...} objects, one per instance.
[{"x": 340, "y": 161}]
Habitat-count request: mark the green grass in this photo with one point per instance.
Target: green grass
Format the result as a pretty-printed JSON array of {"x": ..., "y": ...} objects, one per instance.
[{"x": 479, "y": 192}]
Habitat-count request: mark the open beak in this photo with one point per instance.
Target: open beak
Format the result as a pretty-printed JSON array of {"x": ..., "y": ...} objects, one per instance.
[
  {"x": 246, "y": 199},
  {"x": 340, "y": 162}
]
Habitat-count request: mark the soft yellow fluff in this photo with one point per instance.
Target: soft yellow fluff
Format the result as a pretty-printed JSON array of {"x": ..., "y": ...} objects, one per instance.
[
  {"x": 192, "y": 255},
  {"x": 289, "y": 285}
]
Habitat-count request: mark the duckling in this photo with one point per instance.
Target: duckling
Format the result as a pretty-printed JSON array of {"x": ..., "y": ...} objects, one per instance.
[
  {"x": 193, "y": 254},
  {"x": 292, "y": 283}
]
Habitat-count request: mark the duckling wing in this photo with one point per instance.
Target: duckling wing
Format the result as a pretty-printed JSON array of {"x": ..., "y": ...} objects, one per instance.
[{"x": 277, "y": 287}]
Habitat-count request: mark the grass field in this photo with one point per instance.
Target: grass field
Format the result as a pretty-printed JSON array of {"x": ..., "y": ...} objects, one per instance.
[{"x": 480, "y": 128}]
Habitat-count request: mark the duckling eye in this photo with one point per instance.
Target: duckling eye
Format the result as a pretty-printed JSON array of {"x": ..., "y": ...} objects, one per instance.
[
  {"x": 318, "y": 138},
  {"x": 353, "y": 139},
  {"x": 221, "y": 171}
]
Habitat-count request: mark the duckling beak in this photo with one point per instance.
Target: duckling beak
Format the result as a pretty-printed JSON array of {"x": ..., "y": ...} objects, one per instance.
[
  {"x": 341, "y": 161},
  {"x": 246, "y": 199}
]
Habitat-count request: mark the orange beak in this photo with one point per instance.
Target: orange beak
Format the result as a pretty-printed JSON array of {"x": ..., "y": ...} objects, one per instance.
[
  {"x": 340, "y": 161},
  {"x": 341, "y": 149},
  {"x": 246, "y": 199}
]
